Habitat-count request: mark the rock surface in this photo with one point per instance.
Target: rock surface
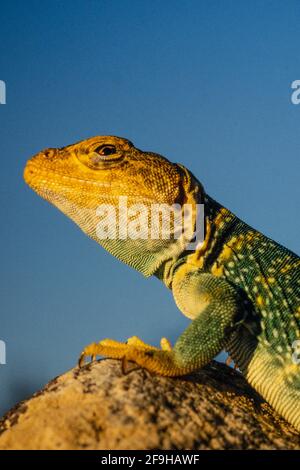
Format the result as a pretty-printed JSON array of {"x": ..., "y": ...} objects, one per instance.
[{"x": 98, "y": 407}]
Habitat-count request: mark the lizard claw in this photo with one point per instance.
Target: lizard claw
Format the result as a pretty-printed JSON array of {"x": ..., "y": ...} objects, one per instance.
[
  {"x": 81, "y": 360},
  {"x": 90, "y": 351}
]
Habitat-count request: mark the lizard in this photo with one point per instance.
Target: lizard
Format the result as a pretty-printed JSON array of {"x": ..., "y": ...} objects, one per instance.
[{"x": 239, "y": 288}]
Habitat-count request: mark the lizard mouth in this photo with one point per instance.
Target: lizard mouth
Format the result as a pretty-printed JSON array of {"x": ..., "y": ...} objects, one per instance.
[{"x": 45, "y": 182}]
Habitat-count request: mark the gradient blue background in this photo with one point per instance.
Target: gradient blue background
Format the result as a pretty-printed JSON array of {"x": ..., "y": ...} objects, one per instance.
[{"x": 206, "y": 83}]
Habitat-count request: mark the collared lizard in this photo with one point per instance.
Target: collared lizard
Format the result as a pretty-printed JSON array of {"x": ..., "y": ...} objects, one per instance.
[{"x": 240, "y": 289}]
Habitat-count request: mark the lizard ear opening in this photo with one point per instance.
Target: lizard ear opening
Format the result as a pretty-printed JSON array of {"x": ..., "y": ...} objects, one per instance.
[{"x": 191, "y": 184}]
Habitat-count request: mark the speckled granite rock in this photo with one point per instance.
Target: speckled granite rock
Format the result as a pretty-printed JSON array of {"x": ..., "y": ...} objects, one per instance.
[{"x": 98, "y": 407}]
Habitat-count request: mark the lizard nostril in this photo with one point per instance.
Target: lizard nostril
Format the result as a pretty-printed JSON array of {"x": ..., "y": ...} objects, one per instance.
[{"x": 49, "y": 153}]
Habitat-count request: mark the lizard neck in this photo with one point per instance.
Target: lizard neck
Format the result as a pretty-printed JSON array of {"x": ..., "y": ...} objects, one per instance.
[{"x": 219, "y": 225}]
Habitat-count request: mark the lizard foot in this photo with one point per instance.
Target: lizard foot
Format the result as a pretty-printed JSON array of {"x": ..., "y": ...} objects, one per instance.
[{"x": 153, "y": 359}]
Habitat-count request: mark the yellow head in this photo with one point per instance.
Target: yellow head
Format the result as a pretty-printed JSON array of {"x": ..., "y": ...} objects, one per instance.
[{"x": 98, "y": 171}]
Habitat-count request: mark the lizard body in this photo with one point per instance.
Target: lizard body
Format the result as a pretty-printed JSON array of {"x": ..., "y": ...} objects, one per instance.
[{"x": 240, "y": 289}]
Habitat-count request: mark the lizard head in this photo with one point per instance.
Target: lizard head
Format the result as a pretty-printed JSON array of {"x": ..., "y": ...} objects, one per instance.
[{"x": 97, "y": 182}]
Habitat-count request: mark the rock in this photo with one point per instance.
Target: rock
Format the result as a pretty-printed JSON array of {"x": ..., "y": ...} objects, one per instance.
[{"x": 98, "y": 407}]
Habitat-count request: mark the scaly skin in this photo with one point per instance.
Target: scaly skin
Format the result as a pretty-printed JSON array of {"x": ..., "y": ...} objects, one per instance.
[{"x": 241, "y": 289}]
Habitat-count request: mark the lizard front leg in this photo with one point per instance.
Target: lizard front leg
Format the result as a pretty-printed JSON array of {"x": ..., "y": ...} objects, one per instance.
[{"x": 214, "y": 306}]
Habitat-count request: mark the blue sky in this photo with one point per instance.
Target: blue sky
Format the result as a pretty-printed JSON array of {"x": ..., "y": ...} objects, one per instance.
[{"x": 206, "y": 83}]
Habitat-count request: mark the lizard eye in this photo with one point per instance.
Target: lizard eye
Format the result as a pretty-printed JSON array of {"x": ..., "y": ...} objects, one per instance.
[
  {"x": 103, "y": 156},
  {"x": 105, "y": 150}
]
